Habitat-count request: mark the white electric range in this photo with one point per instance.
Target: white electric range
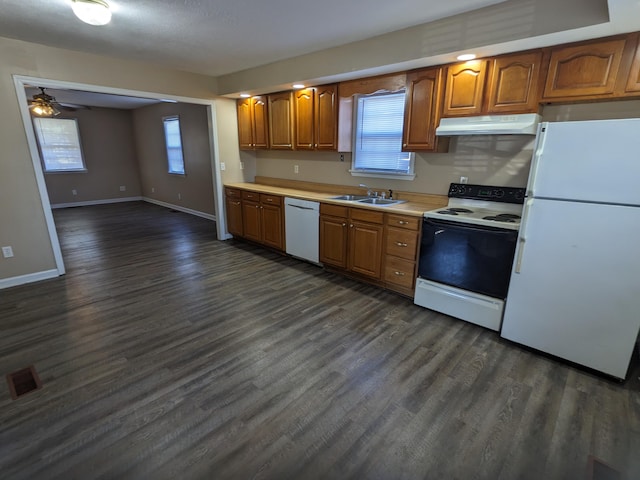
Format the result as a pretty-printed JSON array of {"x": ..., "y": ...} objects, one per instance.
[{"x": 467, "y": 251}]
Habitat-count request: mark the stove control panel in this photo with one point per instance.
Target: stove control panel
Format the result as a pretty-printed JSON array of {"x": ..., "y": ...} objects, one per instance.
[{"x": 486, "y": 192}]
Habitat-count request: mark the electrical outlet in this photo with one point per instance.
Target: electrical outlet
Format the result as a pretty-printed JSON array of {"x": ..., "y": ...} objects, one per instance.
[
  {"x": 342, "y": 157},
  {"x": 464, "y": 179},
  {"x": 223, "y": 166},
  {"x": 123, "y": 188},
  {"x": 7, "y": 252},
  {"x": 179, "y": 196},
  {"x": 74, "y": 192},
  {"x": 153, "y": 189},
  {"x": 241, "y": 165},
  {"x": 296, "y": 169}
]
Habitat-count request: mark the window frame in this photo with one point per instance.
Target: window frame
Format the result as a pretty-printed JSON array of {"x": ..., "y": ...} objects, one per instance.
[
  {"x": 379, "y": 173},
  {"x": 167, "y": 147},
  {"x": 38, "y": 129}
]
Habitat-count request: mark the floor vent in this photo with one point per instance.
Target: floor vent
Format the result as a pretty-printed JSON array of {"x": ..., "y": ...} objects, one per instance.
[
  {"x": 23, "y": 381},
  {"x": 598, "y": 470}
]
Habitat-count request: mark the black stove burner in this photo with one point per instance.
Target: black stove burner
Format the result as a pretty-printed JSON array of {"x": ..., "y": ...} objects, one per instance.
[
  {"x": 500, "y": 218},
  {"x": 508, "y": 215},
  {"x": 454, "y": 211}
]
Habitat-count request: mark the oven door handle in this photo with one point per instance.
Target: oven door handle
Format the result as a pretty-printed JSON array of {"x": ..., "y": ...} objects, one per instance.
[{"x": 439, "y": 224}]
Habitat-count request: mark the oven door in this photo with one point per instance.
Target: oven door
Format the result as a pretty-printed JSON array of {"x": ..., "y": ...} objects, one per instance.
[{"x": 470, "y": 257}]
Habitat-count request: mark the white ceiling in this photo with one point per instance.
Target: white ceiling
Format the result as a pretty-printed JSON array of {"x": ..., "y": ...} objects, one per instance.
[{"x": 217, "y": 37}]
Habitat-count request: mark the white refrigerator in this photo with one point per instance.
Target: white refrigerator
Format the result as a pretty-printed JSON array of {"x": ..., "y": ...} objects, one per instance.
[{"x": 575, "y": 283}]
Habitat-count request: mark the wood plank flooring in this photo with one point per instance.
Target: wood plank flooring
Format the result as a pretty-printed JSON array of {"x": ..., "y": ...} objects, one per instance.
[{"x": 167, "y": 354}]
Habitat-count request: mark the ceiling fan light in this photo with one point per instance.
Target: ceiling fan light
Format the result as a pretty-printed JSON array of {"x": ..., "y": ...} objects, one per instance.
[{"x": 93, "y": 12}]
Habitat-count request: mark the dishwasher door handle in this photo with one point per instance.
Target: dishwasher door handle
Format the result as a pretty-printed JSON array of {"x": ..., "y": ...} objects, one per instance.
[{"x": 298, "y": 206}]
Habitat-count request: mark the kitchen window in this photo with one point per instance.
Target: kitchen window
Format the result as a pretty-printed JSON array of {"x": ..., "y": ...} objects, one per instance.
[
  {"x": 59, "y": 143},
  {"x": 377, "y": 141},
  {"x": 173, "y": 142}
]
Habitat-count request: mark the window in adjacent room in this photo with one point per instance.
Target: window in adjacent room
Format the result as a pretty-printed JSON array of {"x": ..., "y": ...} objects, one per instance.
[
  {"x": 59, "y": 142},
  {"x": 377, "y": 143},
  {"x": 173, "y": 141}
]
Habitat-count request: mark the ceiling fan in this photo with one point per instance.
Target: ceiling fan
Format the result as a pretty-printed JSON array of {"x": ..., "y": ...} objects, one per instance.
[{"x": 45, "y": 105}]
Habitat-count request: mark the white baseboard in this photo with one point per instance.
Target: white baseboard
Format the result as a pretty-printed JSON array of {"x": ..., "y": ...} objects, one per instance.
[
  {"x": 28, "y": 278},
  {"x": 180, "y": 209},
  {"x": 95, "y": 202}
]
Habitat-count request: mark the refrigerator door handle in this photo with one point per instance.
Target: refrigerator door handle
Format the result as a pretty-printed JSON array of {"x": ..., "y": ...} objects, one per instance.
[
  {"x": 538, "y": 150},
  {"x": 522, "y": 241}
]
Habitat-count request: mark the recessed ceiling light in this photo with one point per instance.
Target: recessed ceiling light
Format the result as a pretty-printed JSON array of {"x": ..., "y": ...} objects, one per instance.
[
  {"x": 93, "y": 12},
  {"x": 298, "y": 85},
  {"x": 466, "y": 56},
  {"x": 245, "y": 95}
]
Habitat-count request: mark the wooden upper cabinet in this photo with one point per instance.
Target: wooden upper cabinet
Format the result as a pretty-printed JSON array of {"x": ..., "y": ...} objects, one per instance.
[
  {"x": 464, "y": 89},
  {"x": 422, "y": 109},
  {"x": 316, "y": 113},
  {"x": 326, "y": 117},
  {"x": 633, "y": 82},
  {"x": 589, "y": 69},
  {"x": 252, "y": 123},
  {"x": 514, "y": 84},
  {"x": 280, "y": 109}
]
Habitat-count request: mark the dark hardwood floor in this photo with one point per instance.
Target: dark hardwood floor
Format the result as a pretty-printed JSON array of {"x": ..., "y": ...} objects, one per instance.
[{"x": 166, "y": 354}]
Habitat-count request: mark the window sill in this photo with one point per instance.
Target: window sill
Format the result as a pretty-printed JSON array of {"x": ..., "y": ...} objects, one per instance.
[
  {"x": 55, "y": 172},
  {"x": 374, "y": 174}
]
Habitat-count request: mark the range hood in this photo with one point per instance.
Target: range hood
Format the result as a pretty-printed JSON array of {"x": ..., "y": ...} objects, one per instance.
[{"x": 523, "y": 124}]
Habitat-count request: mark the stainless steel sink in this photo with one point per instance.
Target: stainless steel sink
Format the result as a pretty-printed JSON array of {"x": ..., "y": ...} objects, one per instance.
[
  {"x": 380, "y": 201},
  {"x": 350, "y": 198}
]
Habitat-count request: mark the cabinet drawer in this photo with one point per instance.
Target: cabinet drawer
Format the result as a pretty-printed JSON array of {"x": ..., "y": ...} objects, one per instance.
[
  {"x": 402, "y": 243},
  {"x": 270, "y": 199},
  {"x": 250, "y": 196},
  {"x": 403, "y": 221},
  {"x": 334, "y": 210},
  {"x": 370, "y": 216},
  {"x": 233, "y": 193},
  {"x": 399, "y": 272}
]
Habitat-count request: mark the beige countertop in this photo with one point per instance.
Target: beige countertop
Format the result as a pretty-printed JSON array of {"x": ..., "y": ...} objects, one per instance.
[{"x": 410, "y": 207}]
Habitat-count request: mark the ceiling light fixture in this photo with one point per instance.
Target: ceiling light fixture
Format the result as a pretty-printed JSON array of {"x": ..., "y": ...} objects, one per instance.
[
  {"x": 244, "y": 95},
  {"x": 298, "y": 85},
  {"x": 93, "y": 12},
  {"x": 42, "y": 105},
  {"x": 466, "y": 56}
]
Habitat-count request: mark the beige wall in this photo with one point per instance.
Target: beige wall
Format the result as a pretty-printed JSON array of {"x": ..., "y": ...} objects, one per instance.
[
  {"x": 22, "y": 218},
  {"x": 194, "y": 190},
  {"x": 108, "y": 147}
]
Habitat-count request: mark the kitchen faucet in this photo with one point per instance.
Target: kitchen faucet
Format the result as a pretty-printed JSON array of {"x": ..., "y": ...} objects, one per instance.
[{"x": 369, "y": 191}]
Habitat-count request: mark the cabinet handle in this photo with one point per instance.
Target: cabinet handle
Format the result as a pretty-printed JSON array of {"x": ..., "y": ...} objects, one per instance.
[
  {"x": 404, "y": 145},
  {"x": 402, "y": 222},
  {"x": 257, "y": 206},
  {"x": 310, "y": 145},
  {"x": 236, "y": 203},
  {"x": 269, "y": 200},
  {"x": 344, "y": 224},
  {"x": 316, "y": 145},
  {"x": 401, "y": 244},
  {"x": 351, "y": 225},
  {"x": 400, "y": 274}
]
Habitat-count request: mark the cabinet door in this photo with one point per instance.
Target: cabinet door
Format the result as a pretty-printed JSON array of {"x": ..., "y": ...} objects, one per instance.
[
  {"x": 326, "y": 117},
  {"x": 513, "y": 87},
  {"x": 251, "y": 220},
  {"x": 584, "y": 70},
  {"x": 280, "y": 111},
  {"x": 272, "y": 226},
  {"x": 365, "y": 248},
  {"x": 234, "y": 216},
  {"x": 245, "y": 124},
  {"x": 422, "y": 108},
  {"x": 633, "y": 83},
  {"x": 303, "y": 101},
  {"x": 260, "y": 122},
  {"x": 465, "y": 88},
  {"x": 333, "y": 241}
]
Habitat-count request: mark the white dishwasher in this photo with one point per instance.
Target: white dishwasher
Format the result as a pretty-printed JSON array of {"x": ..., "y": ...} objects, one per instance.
[{"x": 302, "y": 228}]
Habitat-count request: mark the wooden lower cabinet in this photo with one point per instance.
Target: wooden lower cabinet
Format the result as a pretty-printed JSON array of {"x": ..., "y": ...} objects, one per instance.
[
  {"x": 255, "y": 216},
  {"x": 402, "y": 240},
  {"x": 351, "y": 239}
]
